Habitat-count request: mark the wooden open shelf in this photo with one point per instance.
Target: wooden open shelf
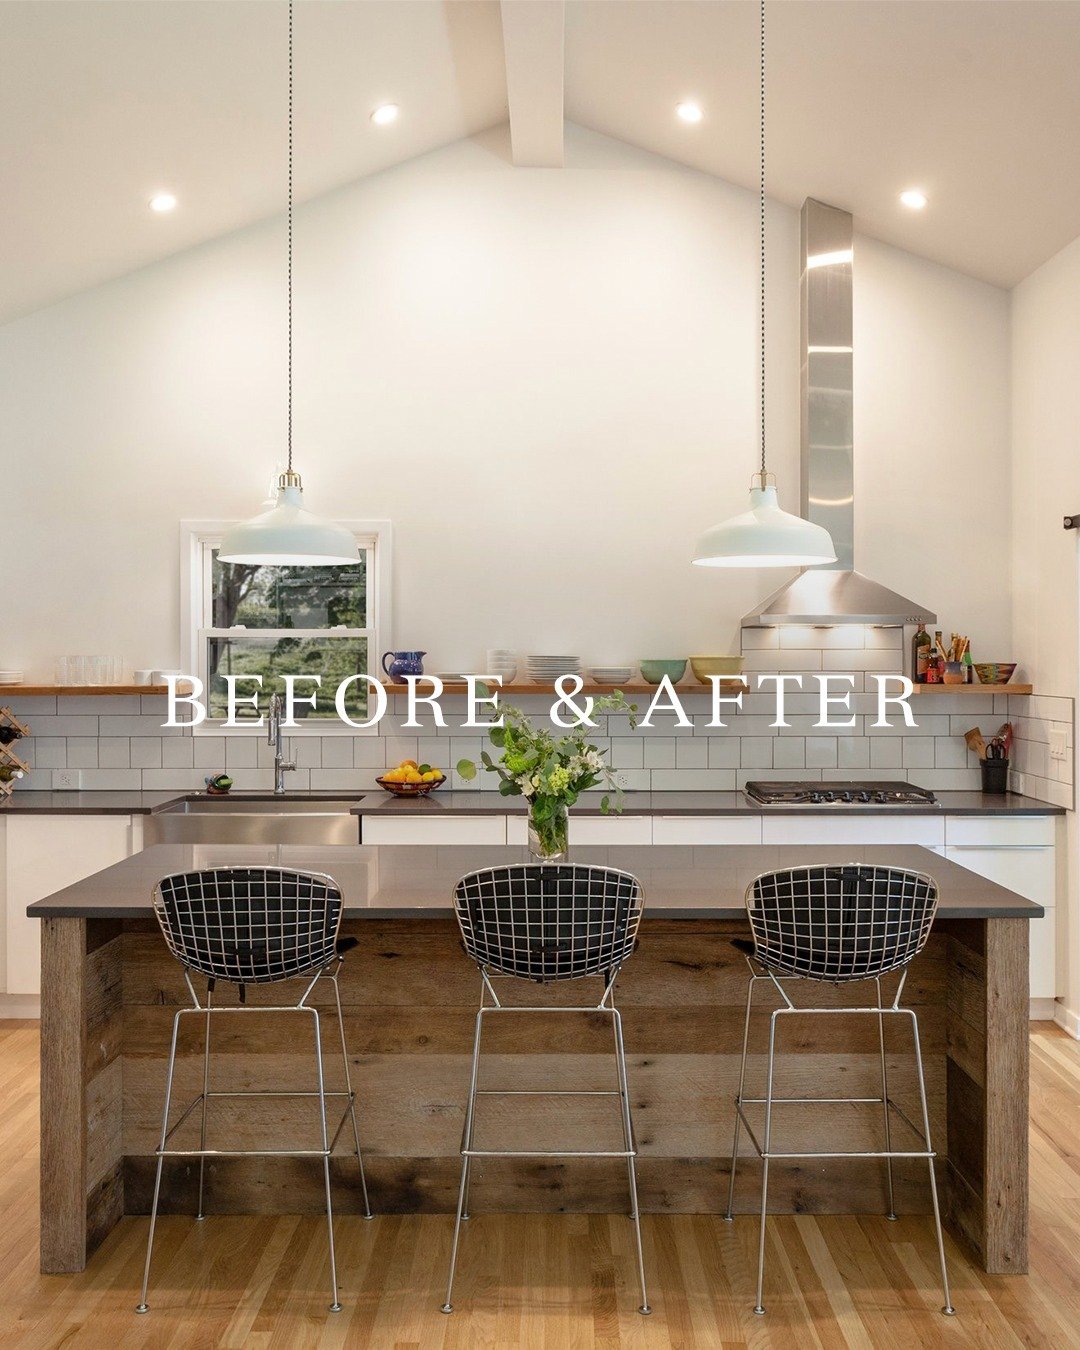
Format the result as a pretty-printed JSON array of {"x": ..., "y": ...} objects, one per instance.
[
  {"x": 973, "y": 689},
  {"x": 80, "y": 690},
  {"x": 528, "y": 687}
]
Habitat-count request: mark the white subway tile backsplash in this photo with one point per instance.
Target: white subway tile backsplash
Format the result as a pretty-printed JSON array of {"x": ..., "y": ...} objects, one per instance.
[
  {"x": 760, "y": 639},
  {"x": 114, "y": 752},
  {"x": 868, "y": 658},
  {"x": 660, "y": 753},
  {"x": 50, "y": 752},
  {"x": 145, "y": 753},
  {"x": 772, "y": 662},
  {"x": 821, "y": 752},
  {"x": 692, "y": 754},
  {"x": 177, "y": 752},
  {"x": 82, "y": 752},
  {"x": 853, "y": 752},
  {"x": 119, "y": 742},
  {"x": 886, "y": 752},
  {"x": 789, "y": 752}
]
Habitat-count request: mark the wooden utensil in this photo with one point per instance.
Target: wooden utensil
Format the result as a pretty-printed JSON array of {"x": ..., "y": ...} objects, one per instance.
[{"x": 975, "y": 742}]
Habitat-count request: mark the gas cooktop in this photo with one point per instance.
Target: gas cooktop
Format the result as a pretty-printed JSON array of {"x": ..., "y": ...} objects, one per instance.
[{"x": 869, "y": 793}]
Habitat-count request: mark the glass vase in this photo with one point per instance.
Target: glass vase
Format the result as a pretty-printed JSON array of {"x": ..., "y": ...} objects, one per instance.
[{"x": 548, "y": 837}]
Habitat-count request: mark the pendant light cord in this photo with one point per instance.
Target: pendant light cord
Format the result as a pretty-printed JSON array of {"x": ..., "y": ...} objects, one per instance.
[
  {"x": 761, "y": 205},
  {"x": 290, "y": 241}
]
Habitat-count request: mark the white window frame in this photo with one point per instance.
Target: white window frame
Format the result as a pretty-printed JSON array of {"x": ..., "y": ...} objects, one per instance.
[{"x": 198, "y": 539}]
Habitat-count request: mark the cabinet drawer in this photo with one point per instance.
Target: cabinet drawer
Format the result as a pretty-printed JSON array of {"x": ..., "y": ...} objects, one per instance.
[
  {"x": 599, "y": 831},
  {"x": 603, "y": 830},
  {"x": 990, "y": 831},
  {"x": 434, "y": 830},
  {"x": 706, "y": 830},
  {"x": 929, "y": 831}
]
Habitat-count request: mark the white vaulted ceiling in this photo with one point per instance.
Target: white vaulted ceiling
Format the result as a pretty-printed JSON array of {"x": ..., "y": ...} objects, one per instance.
[{"x": 104, "y": 102}]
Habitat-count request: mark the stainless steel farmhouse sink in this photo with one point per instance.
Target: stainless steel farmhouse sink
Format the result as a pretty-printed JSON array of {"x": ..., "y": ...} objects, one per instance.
[{"x": 255, "y": 820}]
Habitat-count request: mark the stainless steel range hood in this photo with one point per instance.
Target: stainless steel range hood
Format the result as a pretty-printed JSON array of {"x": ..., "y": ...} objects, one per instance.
[{"x": 835, "y": 594}]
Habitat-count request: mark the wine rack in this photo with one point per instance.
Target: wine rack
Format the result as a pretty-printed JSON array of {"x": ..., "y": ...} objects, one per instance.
[{"x": 11, "y": 732}]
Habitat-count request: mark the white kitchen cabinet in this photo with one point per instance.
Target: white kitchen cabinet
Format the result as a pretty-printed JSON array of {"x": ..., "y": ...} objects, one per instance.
[
  {"x": 705, "y": 830},
  {"x": 420, "y": 829},
  {"x": 1019, "y": 855},
  {"x": 43, "y": 854},
  {"x": 927, "y": 831}
]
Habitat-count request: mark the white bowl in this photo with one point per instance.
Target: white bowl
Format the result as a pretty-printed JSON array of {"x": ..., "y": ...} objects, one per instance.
[{"x": 11, "y": 677}]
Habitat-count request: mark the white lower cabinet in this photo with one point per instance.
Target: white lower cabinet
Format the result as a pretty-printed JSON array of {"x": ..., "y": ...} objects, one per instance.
[
  {"x": 41, "y": 855},
  {"x": 1019, "y": 855},
  {"x": 418, "y": 829}
]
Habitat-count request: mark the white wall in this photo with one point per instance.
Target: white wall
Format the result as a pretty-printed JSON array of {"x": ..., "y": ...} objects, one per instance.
[
  {"x": 546, "y": 378},
  {"x": 1046, "y": 486}
]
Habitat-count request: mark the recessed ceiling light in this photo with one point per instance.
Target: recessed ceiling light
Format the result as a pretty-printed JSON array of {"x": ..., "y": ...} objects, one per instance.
[
  {"x": 385, "y": 113},
  {"x": 689, "y": 112},
  {"x": 914, "y": 199},
  {"x": 162, "y": 202}
]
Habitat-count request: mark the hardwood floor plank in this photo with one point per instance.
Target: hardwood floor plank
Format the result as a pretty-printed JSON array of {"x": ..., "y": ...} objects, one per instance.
[{"x": 545, "y": 1281}]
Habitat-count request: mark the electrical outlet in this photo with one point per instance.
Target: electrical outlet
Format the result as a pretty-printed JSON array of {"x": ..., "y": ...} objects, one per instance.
[
  {"x": 65, "y": 779},
  {"x": 1059, "y": 745}
]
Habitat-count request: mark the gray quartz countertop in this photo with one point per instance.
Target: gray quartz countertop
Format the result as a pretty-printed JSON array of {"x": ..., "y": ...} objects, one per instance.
[
  {"x": 476, "y": 803},
  {"x": 418, "y": 882},
  {"x": 696, "y": 804}
]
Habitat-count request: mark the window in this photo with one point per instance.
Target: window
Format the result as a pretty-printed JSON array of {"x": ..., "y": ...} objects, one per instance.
[{"x": 243, "y": 619}]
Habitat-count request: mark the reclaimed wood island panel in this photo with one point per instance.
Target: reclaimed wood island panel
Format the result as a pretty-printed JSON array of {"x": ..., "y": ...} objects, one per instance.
[{"x": 110, "y": 990}]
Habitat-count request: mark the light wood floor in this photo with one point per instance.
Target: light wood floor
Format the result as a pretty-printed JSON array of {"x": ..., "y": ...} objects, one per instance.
[{"x": 544, "y": 1281}]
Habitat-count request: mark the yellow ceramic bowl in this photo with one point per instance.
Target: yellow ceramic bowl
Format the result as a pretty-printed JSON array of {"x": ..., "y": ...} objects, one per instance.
[{"x": 704, "y": 666}]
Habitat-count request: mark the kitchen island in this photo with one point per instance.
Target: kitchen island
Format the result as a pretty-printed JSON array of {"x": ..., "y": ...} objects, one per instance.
[{"x": 109, "y": 990}]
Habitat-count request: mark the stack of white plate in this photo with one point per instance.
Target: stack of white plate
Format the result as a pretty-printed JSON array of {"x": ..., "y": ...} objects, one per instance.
[
  {"x": 611, "y": 674},
  {"x": 544, "y": 669},
  {"x": 11, "y": 677}
]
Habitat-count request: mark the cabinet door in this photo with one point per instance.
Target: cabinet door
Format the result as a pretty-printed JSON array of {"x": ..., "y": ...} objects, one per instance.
[
  {"x": 433, "y": 829},
  {"x": 1029, "y": 872},
  {"x": 44, "y": 854},
  {"x": 707, "y": 830},
  {"x": 851, "y": 828}
]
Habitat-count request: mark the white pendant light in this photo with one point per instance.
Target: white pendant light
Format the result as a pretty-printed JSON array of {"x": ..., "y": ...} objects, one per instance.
[
  {"x": 764, "y": 536},
  {"x": 287, "y": 535}
]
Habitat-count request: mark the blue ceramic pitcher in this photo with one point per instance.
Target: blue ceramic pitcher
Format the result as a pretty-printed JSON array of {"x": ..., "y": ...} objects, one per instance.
[{"x": 402, "y": 664}]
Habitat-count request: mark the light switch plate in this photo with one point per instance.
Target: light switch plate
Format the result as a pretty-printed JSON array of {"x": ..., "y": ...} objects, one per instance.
[
  {"x": 65, "y": 779},
  {"x": 1059, "y": 745}
]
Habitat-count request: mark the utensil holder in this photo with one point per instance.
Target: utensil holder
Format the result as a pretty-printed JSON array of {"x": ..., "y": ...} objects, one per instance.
[{"x": 995, "y": 776}]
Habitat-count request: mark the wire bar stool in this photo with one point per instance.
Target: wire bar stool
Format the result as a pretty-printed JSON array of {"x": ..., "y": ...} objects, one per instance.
[
  {"x": 547, "y": 923},
  {"x": 836, "y": 925},
  {"x": 254, "y": 925}
]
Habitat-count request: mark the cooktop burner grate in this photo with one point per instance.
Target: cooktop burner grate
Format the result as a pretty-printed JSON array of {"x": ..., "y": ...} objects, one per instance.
[{"x": 867, "y": 793}]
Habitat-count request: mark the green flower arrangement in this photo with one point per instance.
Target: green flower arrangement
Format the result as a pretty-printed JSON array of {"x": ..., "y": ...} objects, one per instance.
[{"x": 550, "y": 772}]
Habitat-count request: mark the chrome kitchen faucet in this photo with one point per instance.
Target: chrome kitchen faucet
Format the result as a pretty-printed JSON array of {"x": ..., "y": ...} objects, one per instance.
[{"x": 273, "y": 737}]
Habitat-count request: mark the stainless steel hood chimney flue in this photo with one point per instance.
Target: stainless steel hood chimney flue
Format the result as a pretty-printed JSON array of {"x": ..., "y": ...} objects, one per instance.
[{"x": 836, "y": 593}]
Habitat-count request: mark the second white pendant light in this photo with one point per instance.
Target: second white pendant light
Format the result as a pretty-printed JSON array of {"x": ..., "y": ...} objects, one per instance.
[
  {"x": 764, "y": 536},
  {"x": 288, "y": 535}
]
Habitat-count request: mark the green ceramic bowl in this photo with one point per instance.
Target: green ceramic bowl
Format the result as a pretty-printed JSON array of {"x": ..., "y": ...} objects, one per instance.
[{"x": 654, "y": 671}]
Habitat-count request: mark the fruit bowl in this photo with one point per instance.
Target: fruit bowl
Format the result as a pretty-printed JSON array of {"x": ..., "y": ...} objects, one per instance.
[
  {"x": 994, "y": 672},
  {"x": 400, "y": 789}
]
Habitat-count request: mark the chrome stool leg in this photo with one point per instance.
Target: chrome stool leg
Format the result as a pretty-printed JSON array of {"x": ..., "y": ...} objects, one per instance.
[
  {"x": 947, "y": 1307},
  {"x": 891, "y": 1215},
  {"x": 205, "y": 1097},
  {"x": 759, "y": 1307},
  {"x": 143, "y": 1306},
  {"x": 352, "y": 1096},
  {"x": 628, "y": 1136},
  {"x": 335, "y": 1305},
  {"x": 738, "y": 1099},
  {"x": 466, "y": 1160}
]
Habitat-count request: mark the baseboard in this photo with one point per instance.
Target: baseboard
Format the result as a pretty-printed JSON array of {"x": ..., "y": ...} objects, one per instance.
[
  {"x": 20, "y": 1006},
  {"x": 1067, "y": 1020},
  {"x": 1042, "y": 1009}
]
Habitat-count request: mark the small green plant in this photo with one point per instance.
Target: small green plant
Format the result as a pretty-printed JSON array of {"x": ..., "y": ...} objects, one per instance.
[{"x": 550, "y": 771}]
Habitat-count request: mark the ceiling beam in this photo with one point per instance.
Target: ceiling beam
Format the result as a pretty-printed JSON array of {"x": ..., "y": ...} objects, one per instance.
[{"x": 533, "y": 48}]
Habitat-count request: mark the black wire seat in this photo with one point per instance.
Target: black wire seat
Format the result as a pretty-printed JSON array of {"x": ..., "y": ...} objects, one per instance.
[
  {"x": 835, "y": 925},
  {"x": 545, "y": 923},
  {"x": 254, "y": 926},
  {"x": 840, "y": 923},
  {"x": 549, "y": 922}
]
